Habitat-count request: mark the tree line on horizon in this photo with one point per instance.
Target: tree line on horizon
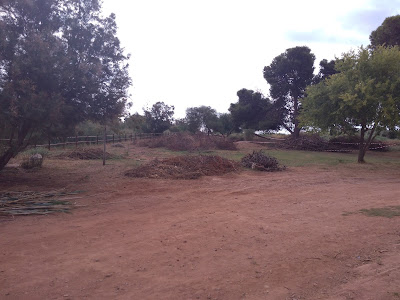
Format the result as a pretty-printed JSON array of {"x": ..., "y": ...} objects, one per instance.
[
  {"x": 63, "y": 71},
  {"x": 357, "y": 93}
]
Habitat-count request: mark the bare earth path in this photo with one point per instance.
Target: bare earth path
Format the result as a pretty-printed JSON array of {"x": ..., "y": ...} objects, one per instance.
[{"x": 239, "y": 236}]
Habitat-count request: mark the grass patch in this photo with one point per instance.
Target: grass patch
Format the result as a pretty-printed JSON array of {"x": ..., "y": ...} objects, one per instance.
[{"x": 386, "y": 212}]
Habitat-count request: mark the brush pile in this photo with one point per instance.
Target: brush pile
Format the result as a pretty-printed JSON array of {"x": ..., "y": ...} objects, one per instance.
[
  {"x": 189, "y": 142},
  {"x": 262, "y": 162},
  {"x": 34, "y": 203},
  {"x": 185, "y": 167},
  {"x": 353, "y": 143},
  {"x": 89, "y": 153},
  {"x": 307, "y": 143}
]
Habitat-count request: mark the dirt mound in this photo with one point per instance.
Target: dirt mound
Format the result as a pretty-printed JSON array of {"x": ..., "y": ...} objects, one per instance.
[
  {"x": 185, "y": 167},
  {"x": 262, "y": 162},
  {"x": 188, "y": 142},
  {"x": 86, "y": 154}
]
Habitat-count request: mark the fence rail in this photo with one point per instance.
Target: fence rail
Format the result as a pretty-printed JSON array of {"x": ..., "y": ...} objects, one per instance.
[{"x": 92, "y": 139}]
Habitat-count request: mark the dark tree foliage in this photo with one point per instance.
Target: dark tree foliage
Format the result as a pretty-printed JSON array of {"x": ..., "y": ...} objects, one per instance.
[
  {"x": 135, "y": 122},
  {"x": 254, "y": 111},
  {"x": 60, "y": 63},
  {"x": 326, "y": 69},
  {"x": 158, "y": 118},
  {"x": 364, "y": 95},
  {"x": 288, "y": 75},
  {"x": 203, "y": 118},
  {"x": 388, "y": 34},
  {"x": 225, "y": 124}
]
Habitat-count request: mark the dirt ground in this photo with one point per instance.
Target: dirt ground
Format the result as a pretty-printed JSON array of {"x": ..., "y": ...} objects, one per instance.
[{"x": 248, "y": 235}]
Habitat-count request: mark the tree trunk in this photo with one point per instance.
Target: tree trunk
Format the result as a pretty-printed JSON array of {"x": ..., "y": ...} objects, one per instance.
[
  {"x": 5, "y": 158},
  {"x": 364, "y": 146},
  {"x": 14, "y": 148},
  {"x": 104, "y": 144},
  {"x": 362, "y": 149},
  {"x": 296, "y": 131}
]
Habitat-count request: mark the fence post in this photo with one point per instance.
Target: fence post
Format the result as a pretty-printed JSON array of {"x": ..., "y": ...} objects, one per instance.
[
  {"x": 97, "y": 139},
  {"x": 113, "y": 139},
  {"x": 49, "y": 144},
  {"x": 76, "y": 141}
]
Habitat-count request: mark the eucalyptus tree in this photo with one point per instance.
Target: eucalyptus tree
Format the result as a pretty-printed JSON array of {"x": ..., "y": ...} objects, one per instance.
[
  {"x": 60, "y": 63},
  {"x": 288, "y": 76},
  {"x": 364, "y": 95}
]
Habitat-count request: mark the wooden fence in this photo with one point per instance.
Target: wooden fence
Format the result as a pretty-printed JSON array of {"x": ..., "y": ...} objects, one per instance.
[{"x": 92, "y": 140}]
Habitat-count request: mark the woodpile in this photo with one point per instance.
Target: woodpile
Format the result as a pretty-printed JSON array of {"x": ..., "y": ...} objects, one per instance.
[
  {"x": 34, "y": 203},
  {"x": 185, "y": 167},
  {"x": 261, "y": 162}
]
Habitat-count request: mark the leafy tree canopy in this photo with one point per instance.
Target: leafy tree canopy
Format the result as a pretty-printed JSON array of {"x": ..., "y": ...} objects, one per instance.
[
  {"x": 60, "y": 63},
  {"x": 159, "y": 117},
  {"x": 203, "y": 118},
  {"x": 135, "y": 122},
  {"x": 254, "y": 111},
  {"x": 387, "y": 34},
  {"x": 288, "y": 76},
  {"x": 326, "y": 69},
  {"x": 364, "y": 95}
]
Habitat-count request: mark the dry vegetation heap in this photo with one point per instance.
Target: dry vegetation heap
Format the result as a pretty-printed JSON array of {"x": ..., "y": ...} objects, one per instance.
[
  {"x": 89, "y": 153},
  {"x": 316, "y": 143},
  {"x": 188, "y": 142},
  {"x": 34, "y": 203},
  {"x": 185, "y": 167},
  {"x": 262, "y": 162}
]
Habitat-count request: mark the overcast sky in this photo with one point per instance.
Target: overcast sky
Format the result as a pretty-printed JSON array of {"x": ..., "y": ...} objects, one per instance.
[{"x": 201, "y": 52}]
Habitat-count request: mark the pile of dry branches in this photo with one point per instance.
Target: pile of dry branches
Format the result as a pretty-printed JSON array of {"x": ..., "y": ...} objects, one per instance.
[
  {"x": 189, "y": 142},
  {"x": 89, "y": 153},
  {"x": 34, "y": 203},
  {"x": 262, "y": 162},
  {"x": 185, "y": 167}
]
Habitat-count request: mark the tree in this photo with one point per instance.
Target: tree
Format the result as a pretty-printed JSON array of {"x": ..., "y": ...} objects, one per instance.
[
  {"x": 60, "y": 63},
  {"x": 135, "y": 122},
  {"x": 254, "y": 111},
  {"x": 387, "y": 34},
  {"x": 201, "y": 118},
  {"x": 288, "y": 75},
  {"x": 225, "y": 124},
  {"x": 159, "y": 117},
  {"x": 326, "y": 69},
  {"x": 364, "y": 95}
]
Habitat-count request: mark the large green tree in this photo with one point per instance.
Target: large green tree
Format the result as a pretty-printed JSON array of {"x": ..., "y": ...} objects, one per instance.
[
  {"x": 202, "y": 118},
  {"x": 326, "y": 69},
  {"x": 159, "y": 117},
  {"x": 364, "y": 95},
  {"x": 288, "y": 76},
  {"x": 254, "y": 111},
  {"x": 60, "y": 63},
  {"x": 387, "y": 34}
]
